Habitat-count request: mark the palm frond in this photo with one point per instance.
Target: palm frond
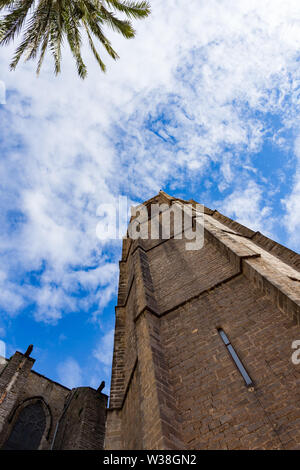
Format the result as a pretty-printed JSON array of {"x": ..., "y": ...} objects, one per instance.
[
  {"x": 71, "y": 25},
  {"x": 56, "y": 34},
  {"x": 12, "y": 24},
  {"x": 93, "y": 48},
  {"x": 97, "y": 31},
  {"x": 43, "y": 51},
  {"x": 132, "y": 9},
  {"x": 120, "y": 26},
  {"x": 45, "y": 23}
]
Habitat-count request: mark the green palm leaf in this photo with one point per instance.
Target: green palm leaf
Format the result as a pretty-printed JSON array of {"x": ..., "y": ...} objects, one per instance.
[{"x": 46, "y": 23}]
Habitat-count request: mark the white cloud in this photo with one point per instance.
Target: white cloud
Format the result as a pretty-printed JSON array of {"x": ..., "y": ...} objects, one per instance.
[
  {"x": 103, "y": 352},
  {"x": 12, "y": 297},
  {"x": 69, "y": 373},
  {"x": 246, "y": 205},
  {"x": 62, "y": 337},
  {"x": 190, "y": 91},
  {"x": 292, "y": 203},
  {"x": 292, "y": 218}
]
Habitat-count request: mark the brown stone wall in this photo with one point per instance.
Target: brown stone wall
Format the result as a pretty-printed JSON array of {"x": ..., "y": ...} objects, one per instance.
[
  {"x": 172, "y": 376},
  {"x": 130, "y": 338},
  {"x": 21, "y": 386},
  {"x": 161, "y": 425},
  {"x": 178, "y": 274},
  {"x": 216, "y": 407},
  {"x": 132, "y": 437},
  {"x": 3, "y": 363},
  {"x": 82, "y": 425},
  {"x": 13, "y": 378},
  {"x": 53, "y": 393}
]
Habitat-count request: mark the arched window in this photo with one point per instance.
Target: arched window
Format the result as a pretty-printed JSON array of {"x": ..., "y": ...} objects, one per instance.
[{"x": 28, "y": 429}]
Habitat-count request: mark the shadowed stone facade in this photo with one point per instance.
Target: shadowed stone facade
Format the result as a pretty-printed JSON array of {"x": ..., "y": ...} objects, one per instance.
[
  {"x": 38, "y": 413},
  {"x": 174, "y": 385}
]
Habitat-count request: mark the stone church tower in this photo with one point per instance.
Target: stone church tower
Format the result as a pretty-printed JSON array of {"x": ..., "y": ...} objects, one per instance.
[{"x": 204, "y": 341}]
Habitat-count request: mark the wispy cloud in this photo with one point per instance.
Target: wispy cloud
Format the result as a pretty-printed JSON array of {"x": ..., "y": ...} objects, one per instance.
[
  {"x": 292, "y": 202},
  {"x": 103, "y": 351},
  {"x": 247, "y": 206},
  {"x": 69, "y": 373},
  {"x": 190, "y": 106}
]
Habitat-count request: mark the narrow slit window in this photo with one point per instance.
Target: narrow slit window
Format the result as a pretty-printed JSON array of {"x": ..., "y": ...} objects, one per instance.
[{"x": 235, "y": 358}]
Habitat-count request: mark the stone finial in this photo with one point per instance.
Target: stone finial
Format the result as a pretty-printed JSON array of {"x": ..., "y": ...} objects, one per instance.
[
  {"x": 29, "y": 350},
  {"x": 101, "y": 386}
]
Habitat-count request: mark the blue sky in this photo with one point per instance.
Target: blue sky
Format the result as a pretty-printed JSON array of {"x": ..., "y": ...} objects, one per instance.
[{"x": 204, "y": 104}]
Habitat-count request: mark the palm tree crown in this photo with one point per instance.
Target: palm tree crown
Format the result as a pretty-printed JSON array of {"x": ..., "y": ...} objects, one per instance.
[{"x": 47, "y": 23}]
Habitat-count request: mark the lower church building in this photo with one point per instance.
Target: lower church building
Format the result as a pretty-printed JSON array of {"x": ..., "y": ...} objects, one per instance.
[
  {"x": 205, "y": 348},
  {"x": 38, "y": 413}
]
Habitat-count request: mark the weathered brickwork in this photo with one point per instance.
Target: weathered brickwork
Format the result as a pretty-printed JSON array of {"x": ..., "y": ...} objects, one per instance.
[
  {"x": 82, "y": 426},
  {"x": 69, "y": 423},
  {"x": 13, "y": 379},
  {"x": 216, "y": 407},
  {"x": 176, "y": 274},
  {"x": 173, "y": 379},
  {"x": 3, "y": 363},
  {"x": 132, "y": 431}
]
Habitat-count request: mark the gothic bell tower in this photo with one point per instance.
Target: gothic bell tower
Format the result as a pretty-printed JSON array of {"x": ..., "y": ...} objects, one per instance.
[{"x": 204, "y": 340}]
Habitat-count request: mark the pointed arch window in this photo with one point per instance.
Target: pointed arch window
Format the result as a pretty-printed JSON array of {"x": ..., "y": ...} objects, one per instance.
[{"x": 28, "y": 429}]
